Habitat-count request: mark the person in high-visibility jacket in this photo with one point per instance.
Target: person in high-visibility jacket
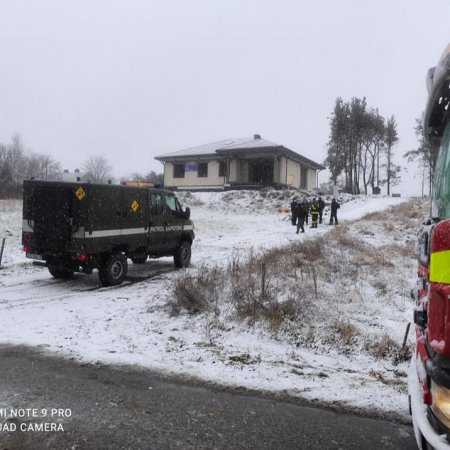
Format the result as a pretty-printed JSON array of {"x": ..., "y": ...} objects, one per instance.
[{"x": 315, "y": 211}]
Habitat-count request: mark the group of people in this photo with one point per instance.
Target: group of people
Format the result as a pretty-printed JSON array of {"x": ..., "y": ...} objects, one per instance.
[{"x": 300, "y": 211}]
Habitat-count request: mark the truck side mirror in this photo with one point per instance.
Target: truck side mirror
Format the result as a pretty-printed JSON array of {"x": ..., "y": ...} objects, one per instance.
[{"x": 187, "y": 212}]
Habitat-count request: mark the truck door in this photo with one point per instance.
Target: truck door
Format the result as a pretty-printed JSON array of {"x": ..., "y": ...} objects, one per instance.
[
  {"x": 52, "y": 214},
  {"x": 157, "y": 238},
  {"x": 174, "y": 219}
]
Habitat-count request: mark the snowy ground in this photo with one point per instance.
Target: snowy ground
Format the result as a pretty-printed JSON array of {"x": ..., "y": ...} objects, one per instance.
[{"x": 131, "y": 323}]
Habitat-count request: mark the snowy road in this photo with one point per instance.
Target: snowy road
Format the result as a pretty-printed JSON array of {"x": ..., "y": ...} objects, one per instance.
[{"x": 129, "y": 408}]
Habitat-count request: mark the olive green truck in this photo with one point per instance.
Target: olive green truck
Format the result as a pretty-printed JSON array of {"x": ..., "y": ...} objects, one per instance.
[{"x": 79, "y": 227}]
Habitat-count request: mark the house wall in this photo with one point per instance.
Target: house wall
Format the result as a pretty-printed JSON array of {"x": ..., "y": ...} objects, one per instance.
[
  {"x": 191, "y": 179},
  {"x": 288, "y": 169},
  {"x": 238, "y": 173},
  {"x": 312, "y": 179},
  {"x": 234, "y": 171},
  {"x": 293, "y": 170}
]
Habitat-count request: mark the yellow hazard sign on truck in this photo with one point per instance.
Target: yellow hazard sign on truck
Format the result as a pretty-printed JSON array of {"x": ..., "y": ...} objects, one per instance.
[
  {"x": 80, "y": 193},
  {"x": 135, "y": 206}
]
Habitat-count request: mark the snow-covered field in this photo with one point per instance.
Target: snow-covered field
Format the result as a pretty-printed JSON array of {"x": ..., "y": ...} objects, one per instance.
[{"x": 132, "y": 323}]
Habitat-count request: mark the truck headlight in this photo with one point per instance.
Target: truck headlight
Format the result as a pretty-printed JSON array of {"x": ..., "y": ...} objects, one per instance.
[{"x": 441, "y": 403}]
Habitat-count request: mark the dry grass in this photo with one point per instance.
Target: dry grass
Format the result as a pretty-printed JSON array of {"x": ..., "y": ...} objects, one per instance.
[
  {"x": 291, "y": 289},
  {"x": 198, "y": 293},
  {"x": 346, "y": 331}
]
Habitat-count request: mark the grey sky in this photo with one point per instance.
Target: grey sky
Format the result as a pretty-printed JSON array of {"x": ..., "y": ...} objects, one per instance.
[{"x": 134, "y": 79}]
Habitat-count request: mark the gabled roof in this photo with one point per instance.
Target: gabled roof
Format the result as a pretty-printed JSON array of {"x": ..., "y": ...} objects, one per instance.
[{"x": 236, "y": 144}]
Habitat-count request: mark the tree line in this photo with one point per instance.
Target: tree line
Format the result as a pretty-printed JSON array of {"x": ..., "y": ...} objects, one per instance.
[
  {"x": 18, "y": 163},
  {"x": 360, "y": 147}
]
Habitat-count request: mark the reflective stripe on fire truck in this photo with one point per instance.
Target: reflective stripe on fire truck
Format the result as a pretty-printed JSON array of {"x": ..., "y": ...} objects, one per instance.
[{"x": 440, "y": 267}]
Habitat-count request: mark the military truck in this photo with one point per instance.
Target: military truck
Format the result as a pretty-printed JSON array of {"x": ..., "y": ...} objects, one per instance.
[{"x": 79, "y": 227}]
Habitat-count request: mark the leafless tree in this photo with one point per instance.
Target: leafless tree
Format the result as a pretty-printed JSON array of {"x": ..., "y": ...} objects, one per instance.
[
  {"x": 97, "y": 169},
  {"x": 43, "y": 167}
]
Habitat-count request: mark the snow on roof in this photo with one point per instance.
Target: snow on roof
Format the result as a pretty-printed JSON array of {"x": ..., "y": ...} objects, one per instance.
[{"x": 225, "y": 144}]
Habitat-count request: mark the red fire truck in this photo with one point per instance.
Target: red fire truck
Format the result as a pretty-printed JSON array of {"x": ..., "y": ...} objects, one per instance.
[{"x": 429, "y": 377}]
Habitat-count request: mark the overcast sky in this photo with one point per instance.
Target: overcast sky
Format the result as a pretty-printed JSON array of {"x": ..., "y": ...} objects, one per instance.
[{"x": 134, "y": 79}]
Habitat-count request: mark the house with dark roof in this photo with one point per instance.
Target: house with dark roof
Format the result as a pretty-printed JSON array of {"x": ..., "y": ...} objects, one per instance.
[{"x": 243, "y": 163}]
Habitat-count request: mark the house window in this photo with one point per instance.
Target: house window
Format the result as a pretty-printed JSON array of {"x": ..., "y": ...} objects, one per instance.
[
  {"x": 222, "y": 168},
  {"x": 202, "y": 170},
  {"x": 178, "y": 170}
]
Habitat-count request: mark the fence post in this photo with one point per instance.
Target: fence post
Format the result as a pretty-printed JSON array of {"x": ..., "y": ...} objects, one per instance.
[{"x": 1, "y": 250}]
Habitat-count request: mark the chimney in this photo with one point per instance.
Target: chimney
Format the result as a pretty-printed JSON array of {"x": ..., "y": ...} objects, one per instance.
[{"x": 256, "y": 136}]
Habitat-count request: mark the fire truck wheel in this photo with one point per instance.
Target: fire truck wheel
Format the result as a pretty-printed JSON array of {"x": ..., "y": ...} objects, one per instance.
[
  {"x": 114, "y": 270},
  {"x": 182, "y": 255},
  {"x": 60, "y": 272}
]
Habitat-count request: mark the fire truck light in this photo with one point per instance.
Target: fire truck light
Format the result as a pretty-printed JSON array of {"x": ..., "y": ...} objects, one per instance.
[{"x": 441, "y": 403}]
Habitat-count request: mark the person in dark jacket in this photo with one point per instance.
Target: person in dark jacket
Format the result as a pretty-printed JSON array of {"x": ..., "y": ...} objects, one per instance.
[
  {"x": 314, "y": 208},
  {"x": 294, "y": 208},
  {"x": 334, "y": 207},
  {"x": 321, "y": 204},
  {"x": 300, "y": 217},
  {"x": 305, "y": 205}
]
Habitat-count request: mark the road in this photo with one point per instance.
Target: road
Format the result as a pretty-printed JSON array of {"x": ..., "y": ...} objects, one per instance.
[{"x": 104, "y": 407}]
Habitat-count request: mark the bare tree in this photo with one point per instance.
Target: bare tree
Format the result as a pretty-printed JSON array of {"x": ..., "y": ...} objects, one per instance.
[
  {"x": 43, "y": 167},
  {"x": 97, "y": 169}
]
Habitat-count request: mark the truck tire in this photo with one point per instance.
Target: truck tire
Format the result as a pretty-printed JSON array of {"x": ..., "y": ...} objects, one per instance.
[
  {"x": 114, "y": 270},
  {"x": 60, "y": 272},
  {"x": 182, "y": 255}
]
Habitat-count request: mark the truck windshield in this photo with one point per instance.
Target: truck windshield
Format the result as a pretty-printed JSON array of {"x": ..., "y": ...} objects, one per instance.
[{"x": 441, "y": 196}]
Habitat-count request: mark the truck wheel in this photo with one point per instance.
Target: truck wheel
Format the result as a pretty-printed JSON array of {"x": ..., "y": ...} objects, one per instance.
[
  {"x": 139, "y": 259},
  {"x": 114, "y": 270},
  {"x": 60, "y": 272},
  {"x": 182, "y": 255}
]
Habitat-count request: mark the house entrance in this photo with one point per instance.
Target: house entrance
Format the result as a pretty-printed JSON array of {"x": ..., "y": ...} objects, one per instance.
[{"x": 260, "y": 171}]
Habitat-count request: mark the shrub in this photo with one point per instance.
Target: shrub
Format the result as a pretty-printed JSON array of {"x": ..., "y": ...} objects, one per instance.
[{"x": 198, "y": 293}]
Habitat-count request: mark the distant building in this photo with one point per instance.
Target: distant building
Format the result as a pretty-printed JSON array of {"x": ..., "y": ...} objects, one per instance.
[
  {"x": 244, "y": 163},
  {"x": 76, "y": 175}
]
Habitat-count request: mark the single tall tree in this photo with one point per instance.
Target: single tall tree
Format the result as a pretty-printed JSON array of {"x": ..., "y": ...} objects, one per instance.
[
  {"x": 97, "y": 169},
  {"x": 392, "y": 171},
  {"x": 425, "y": 154}
]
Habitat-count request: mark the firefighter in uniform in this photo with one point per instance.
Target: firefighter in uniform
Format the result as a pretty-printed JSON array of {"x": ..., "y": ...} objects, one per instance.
[{"x": 314, "y": 213}]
